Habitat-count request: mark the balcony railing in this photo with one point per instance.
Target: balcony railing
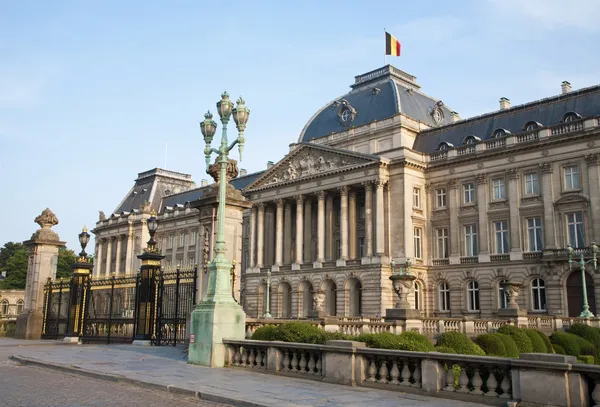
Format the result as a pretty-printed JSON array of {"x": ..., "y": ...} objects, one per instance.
[
  {"x": 469, "y": 260},
  {"x": 499, "y": 257},
  {"x": 441, "y": 262}
]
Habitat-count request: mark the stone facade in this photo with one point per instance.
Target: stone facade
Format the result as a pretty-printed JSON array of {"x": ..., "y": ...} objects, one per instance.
[{"x": 12, "y": 303}]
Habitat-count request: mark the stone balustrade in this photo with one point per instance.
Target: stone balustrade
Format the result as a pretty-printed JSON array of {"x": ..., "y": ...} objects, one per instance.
[
  {"x": 429, "y": 326},
  {"x": 481, "y": 379}
]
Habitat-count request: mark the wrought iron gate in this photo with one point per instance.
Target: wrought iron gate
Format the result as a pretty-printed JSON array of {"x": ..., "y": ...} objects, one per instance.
[{"x": 110, "y": 307}]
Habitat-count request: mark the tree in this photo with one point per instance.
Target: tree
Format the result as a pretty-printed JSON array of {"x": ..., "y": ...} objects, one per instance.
[
  {"x": 16, "y": 270},
  {"x": 64, "y": 266},
  {"x": 6, "y": 252}
]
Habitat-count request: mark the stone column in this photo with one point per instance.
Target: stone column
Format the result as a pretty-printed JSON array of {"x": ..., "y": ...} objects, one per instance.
[
  {"x": 516, "y": 253},
  {"x": 253, "y": 215},
  {"x": 329, "y": 228},
  {"x": 108, "y": 270},
  {"x": 454, "y": 223},
  {"x": 484, "y": 251},
  {"x": 343, "y": 226},
  {"x": 594, "y": 188},
  {"x": 299, "y": 232},
  {"x": 380, "y": 225},
  {"x": 287, "y": 233},
  {"x": 368, "y": 221},
  {"x": 549, "y": 226},
  {"x": 175, "y": 244},
  {"x": 352, "y": 224},
  {"x": 307, "y": 230},
  {"x": 320, "y": 229},
  {"x": 260, "y": 232},
  {"x": 118, "y": 258},
  {"x": 129, "y": 269},
  {"x": 43, "y": 258},
  {"x": 279, "y": 235},
  {"x": 98, "y": 259}
]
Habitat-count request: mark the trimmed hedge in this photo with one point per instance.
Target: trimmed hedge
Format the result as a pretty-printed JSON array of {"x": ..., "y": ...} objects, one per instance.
[
  {"x": 265, "y": 333},
  {"x": 511, "y": 348},
  {"x": 587, "y": 359},
  {"x": 549, "y": 347},
  {"x": 444, "y": 349},
  {"x": 559, "y": 350},
  {"x": 409, "y": 341},
  {"x": 539, "y": 346},
  {"x": 460, "y": 343},
  {"x": 572, "y": 344},
  {"x": 519, "y": 337},
  {"x": 492, "y": 345},
  {"x": 592, "y": 335}
]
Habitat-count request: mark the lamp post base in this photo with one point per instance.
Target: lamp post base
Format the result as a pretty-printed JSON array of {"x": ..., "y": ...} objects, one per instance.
[{"x": 586, "y": 314}]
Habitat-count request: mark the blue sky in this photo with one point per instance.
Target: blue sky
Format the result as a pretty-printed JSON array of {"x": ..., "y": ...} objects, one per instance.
[{"x": 90, "y": 92}]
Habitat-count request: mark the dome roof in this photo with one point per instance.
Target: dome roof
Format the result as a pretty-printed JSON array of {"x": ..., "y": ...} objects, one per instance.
[{"x": 376, "y": 95}]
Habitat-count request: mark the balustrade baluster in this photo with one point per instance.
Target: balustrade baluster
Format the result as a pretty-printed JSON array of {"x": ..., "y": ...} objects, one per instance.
[
  {"x": 383, "y": 372},
  {"x": 449, "y": 378},
  {"x": 303, "y": 362},
  {"x": 251, "y": 358},
  {"x": 237, "y": 356},
  {"x": 372, "y": 372},
  {"x": 405, "y": 373},
  {"x": 417, "y": 375},
  {"x": 294, "y": 362},
  {"x": 477, "y": 383},
  {"x": 319, "y": 365},
  {"x": 286, "y": 361},
  {"x": 395, "y": 373},
  {"x": 259, "y": 358},
  {"x": 596, "y": 394},
  {"x": 505, "y": 385},
  {"x": 463, "y": 380},
  {"x": 492, "y": 384},
  {"x": 244, "y": 352}
]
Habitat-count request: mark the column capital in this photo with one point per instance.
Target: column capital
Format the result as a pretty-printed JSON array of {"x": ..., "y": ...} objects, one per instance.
[
  {"x": 260, "y": 206},
  {"x": 343, "y": 190},
  {"x": 299, "y": 199},
  {"x": 321, "y": 195},
  {"x": 428, "y": 187},
  {"x": 513, "y": 173},
  {"x": 352, "y": 194},
  {"x": 481, "y": 179},
  {"x": 279, "y": 203},
  {"x": 546, "y": 168},
  {"x": 380, "y": 183},
  {"x": 592, "y": 159},
  {"x": 368, "y": 185},
  {"x": 452, "y": 184}
]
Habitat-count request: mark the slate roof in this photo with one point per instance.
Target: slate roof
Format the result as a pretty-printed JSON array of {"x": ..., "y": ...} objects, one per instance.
[
  {"x": 398, "y": 92},
  {"x": 547, "y": 112}
]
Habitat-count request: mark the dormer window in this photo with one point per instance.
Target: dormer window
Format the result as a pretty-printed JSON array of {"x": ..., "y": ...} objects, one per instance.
[
  {"x": 571, "y": 117},
  {"x": 443, "y": 146},
  {"x": 531, "y": 126},
  {"x": 471, "y": 139},
  {"x": 500, "y": 133}
]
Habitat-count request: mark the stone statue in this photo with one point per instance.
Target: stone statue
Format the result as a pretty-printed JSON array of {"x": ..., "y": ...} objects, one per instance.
[
  {"x": 145, "y": 208},
  {"x": 304, "y": 164},
  {"x": 47, "y": 219},
  {"x": 101, "y": 216},
  {"x": 319, "y": 301}
]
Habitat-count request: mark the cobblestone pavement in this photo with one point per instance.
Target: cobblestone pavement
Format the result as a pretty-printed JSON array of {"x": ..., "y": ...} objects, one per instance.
[{"x": 31, "y": 386}]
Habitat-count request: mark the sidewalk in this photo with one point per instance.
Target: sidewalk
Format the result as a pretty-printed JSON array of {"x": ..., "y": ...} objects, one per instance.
[
  {"x": 165, "y": 368},
  {"x": 9, "y": 342}
]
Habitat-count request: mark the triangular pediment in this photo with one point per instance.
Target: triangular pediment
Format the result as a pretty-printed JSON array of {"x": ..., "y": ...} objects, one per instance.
[{"x": 309, "y": 160}]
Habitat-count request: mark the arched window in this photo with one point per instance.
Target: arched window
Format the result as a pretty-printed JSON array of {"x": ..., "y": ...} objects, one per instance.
[
  {"x": 417, "y": 295},
  {"x": 502, "y": 297},
  {"x": 443, "y": 146},
  {"x": 538, "y": 295},
  {"x": 571, "y": 117},
  {"x": 443, "y": 296},
  {"x": 4, "y": 307},
  {"x": 499, "y": 133},
  {"x": 19, "y": 307},
  {"x": 530, "y": 126},
  {"x": 471, "y": 139},
  {"x": 473, "y": 295}
]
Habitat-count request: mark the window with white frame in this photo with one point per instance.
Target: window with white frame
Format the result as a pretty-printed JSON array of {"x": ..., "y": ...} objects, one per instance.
[
  {"x": 534, "y": 234},
  {"x": 361, "y": 246},
  {"x": 443, "y": 296},
  {"x": 417, "y": 197},
  {"x": 538, "y": 295},
  {"x": 440, "y": 198},
  {"x": 191, "y": 260},
  {"x": 571, "y": 177},
  {"x": 502, "y": 297},
  {"x": 417, "y": 295},
  {"x": 473, "y": 295},
  {"x": 193, "y": 237},
  {"x": 170, "y": 246},
  {"x": 468, "y": 193},
  {"x": 532, "y": 186},
  {"x": 470, "y": 240},
  {"x": 499, "y": 190},
  {"x": 575, "y": 229},
  {"x": 441, "y": 236},
  {"x": 418, "y": 242},
  {"x": 501, "y": 233},
  {"x": 181, "y": 239}
]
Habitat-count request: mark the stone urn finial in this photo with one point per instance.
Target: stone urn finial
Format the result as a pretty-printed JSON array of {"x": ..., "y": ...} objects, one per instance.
[
  {"x": 403, "y": 284},
  {"x": 512, "y": 291},
  {"x": 214, "y": 170},
  {"x": 47, "y": 219}
]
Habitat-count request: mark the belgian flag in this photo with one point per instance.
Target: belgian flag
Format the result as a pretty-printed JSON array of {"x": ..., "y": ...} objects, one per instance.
[{"x": 392, "y": 45}]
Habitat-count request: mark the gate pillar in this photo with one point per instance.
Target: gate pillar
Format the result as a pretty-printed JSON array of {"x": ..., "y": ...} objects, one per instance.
[
  {"x": 147, "y": 289},
  {"x": 78, "y": 291}
]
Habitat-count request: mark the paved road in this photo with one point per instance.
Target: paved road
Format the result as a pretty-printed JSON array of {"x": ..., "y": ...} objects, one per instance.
[{"x": 31, "y": 386}]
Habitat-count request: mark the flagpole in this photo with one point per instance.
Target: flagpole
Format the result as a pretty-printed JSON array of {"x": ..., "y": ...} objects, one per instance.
[{"x": 384, "y": 53}]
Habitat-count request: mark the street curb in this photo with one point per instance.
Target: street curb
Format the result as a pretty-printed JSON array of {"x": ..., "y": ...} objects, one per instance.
[{"x": 215, "y": 398}]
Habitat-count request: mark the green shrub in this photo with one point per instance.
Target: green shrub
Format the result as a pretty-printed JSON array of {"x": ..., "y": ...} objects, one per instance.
[
  {"x": 572, "y": 344},
  {"x": 491, "y": 344},
  {"x": 511, "y": 348},
  {"x": 444, "y": 349},
  {"x": 420, "y": 341},
  {"x": 549, "y": 347},
  {"x": 588, "y": 333},
  {"x": 519, "y": 337},
  {"x": 587, "y": 359},
  {"x": 539, "y": 346},
  {"x": 265, "y": 333},
  {"x": 460, "y": 343},
  {"x": 387, "y": 340},
  {"x": 338, "y": 336},
  {"x": 559, "y": 350},
  {"x": 300, "y": 332}
]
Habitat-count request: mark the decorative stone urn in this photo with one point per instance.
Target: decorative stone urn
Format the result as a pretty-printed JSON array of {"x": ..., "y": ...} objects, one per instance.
[
  {"x": 403, "y": 284},
  {"x": 512, "y": 291}
]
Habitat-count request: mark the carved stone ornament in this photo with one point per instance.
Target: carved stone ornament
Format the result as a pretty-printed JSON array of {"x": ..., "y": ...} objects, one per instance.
[
  {"x": 308, "y": 163},
  {"x": 101, "y": 216},
  {"x": 215, "y": 170},
  {"x": 205, "y": 251},
  {"x": 512, "y": 291},
  {"x": 47, "y": 219},
  {"x": 403, "y": 284},
  {"x": 346, "y": 113},
  {"x": 319, "y": 301},
  {"x": 145, "y": 208}
]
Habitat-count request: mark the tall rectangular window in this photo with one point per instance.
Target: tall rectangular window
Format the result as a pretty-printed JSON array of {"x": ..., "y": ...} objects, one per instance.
[
  {"x": 571, "y": 177},
  {"x": 181, "y": 239},
  {"x": 471, "y": 240},
  {"x": 575, "y": 229},
  {"x": 442, "y": 243},
  {"x": 170, "y": 242},
  {"x": 468, "y": 193},
  {"x": 440, "y": 198},
  {"x": 417, "y": 197},
  {"x": 501, "y": 231},
  {"x": 193, "y": 237},
  {"x": 534, "y": 234},
  {"x": 499, "y": 190},
  {"x": 532, "y": 186},
  {"x": 418, "y": 241}
]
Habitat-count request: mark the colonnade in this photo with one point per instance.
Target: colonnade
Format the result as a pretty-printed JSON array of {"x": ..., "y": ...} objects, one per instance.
[{"x": 105, "y": 265}]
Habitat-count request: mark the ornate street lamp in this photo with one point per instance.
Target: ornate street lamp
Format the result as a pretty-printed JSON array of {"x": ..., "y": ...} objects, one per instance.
[
  {"x": 585, "y": 313},
  {"x": 84, "y": 238}
]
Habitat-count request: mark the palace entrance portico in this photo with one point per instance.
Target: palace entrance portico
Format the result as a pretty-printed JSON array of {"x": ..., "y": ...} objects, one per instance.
[{"x": 319, "y": 218}]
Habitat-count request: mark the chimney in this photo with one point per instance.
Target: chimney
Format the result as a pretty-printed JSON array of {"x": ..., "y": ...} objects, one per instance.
[
  {"x": 504, "y": 103},
  {"x": 243, "y": 172},
  {"x": 204, "y": 183},
  {"x": 455, "y": 117},
  {"x": 269, "y": 164},
  {"x": 565, "y": 87}
]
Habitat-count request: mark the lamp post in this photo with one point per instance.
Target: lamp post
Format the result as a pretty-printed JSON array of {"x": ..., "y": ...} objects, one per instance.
[
  {"x": 268, "y": 307},
  {"x": 218, "y": 315},
  {"x": 78, "y": 291},
  {"x": 585, "y": 313},
  {"x": 146, "y": 313}
]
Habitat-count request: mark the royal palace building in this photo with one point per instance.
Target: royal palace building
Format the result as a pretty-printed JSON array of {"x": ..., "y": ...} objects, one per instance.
[{"x": 386, "y": 177}]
